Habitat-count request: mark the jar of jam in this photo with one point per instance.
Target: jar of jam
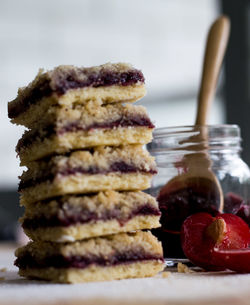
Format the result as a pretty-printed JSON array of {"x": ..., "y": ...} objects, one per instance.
[{"x": 222, "y": 146}]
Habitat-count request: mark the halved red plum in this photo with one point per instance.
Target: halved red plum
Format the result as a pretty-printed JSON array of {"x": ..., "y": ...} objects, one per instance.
[
  {"x": 235, "y": 259},
  {"x": 202, "y": 233}
]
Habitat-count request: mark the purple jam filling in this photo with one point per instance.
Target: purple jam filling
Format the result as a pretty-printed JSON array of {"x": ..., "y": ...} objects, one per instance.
[
  {"x": 123, "y": 122},
  {"x": 62, "y": 83},
  {"x": 244, "y": 213},
  {"x": 232, "y": 203},
  {"x": 235, "y": 204},
  {"x": 136, "y": 121},
  {"x": 81, "y": 262},
  {"x": 106, "y": 78},
  {"x": 69, "y": 216},
  {"x": 120, "y": 166},
  {"x": 177, "y": 206}
]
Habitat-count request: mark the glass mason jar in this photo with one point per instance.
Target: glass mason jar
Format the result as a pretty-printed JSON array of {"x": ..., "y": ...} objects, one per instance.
[{"x": 180, "y": 152}]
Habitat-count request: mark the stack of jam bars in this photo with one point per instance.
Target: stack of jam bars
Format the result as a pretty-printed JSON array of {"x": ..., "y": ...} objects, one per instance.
[{"x": 85, "y": 210}]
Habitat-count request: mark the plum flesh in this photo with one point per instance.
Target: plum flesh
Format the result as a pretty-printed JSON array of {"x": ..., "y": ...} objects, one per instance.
[{"x": 202, "y": 235}]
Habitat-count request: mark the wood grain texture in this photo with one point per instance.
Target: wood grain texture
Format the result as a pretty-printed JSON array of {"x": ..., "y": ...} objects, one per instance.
[{"x": 215, "y": 49}]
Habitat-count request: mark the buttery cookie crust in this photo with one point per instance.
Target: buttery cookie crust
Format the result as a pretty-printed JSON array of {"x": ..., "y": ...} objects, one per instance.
[
  {"x": 69, "y": 85},
  {"x": 111, "y": 257},
  {"x": 71, "y": 218},
  {"x": 86, "y": 126},
  {"x": 104, "y": 168}
]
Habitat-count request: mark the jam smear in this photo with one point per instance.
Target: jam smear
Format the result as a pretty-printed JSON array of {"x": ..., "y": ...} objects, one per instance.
[{"x": 81, "y": 262}]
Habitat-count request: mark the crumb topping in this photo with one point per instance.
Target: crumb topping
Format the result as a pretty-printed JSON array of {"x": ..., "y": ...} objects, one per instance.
[
  {"x": 98, "y": 203},
  {"x": 101, "y": 159},
  {"x": 99, "y": 246},
  {"x": 182, "y": 268},
  {"x": 65, "y": 77}
]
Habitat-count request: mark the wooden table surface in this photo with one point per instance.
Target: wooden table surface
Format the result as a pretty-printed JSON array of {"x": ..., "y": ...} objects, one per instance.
[{"x": 178, "y": 288}]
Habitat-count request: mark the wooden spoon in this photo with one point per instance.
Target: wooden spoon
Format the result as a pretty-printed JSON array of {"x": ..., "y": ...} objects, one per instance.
[
  {"x": 215, "y": 49},
  {"x": 197, "y": 176}
]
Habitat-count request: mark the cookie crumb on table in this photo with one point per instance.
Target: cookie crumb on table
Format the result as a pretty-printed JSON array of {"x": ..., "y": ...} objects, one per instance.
[
  {"x": 182, "y": 268},
  {"x": 165, "y": 274}
]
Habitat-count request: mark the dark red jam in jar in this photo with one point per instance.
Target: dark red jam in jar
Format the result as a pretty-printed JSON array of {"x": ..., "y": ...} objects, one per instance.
[{"x": 171, "y": 147}]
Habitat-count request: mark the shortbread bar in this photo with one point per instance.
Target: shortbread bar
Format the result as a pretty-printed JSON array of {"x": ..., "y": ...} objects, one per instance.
[
  {"x": 102, "y": 168},
  {"x": 71, "y": 86},
  {"x": 119, "y": 256},
  {"x": 71, "y": 218},
  {"x": 64, "y": 129}
]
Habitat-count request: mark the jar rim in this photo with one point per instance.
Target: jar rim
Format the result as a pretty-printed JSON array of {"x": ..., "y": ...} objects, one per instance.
[
  {"x": 221, "y": 138},
  {"x": 230, "y": 129}
]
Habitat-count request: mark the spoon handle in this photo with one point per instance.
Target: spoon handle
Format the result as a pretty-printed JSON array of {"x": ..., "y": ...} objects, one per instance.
[{"x": 215, "y": 49}]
